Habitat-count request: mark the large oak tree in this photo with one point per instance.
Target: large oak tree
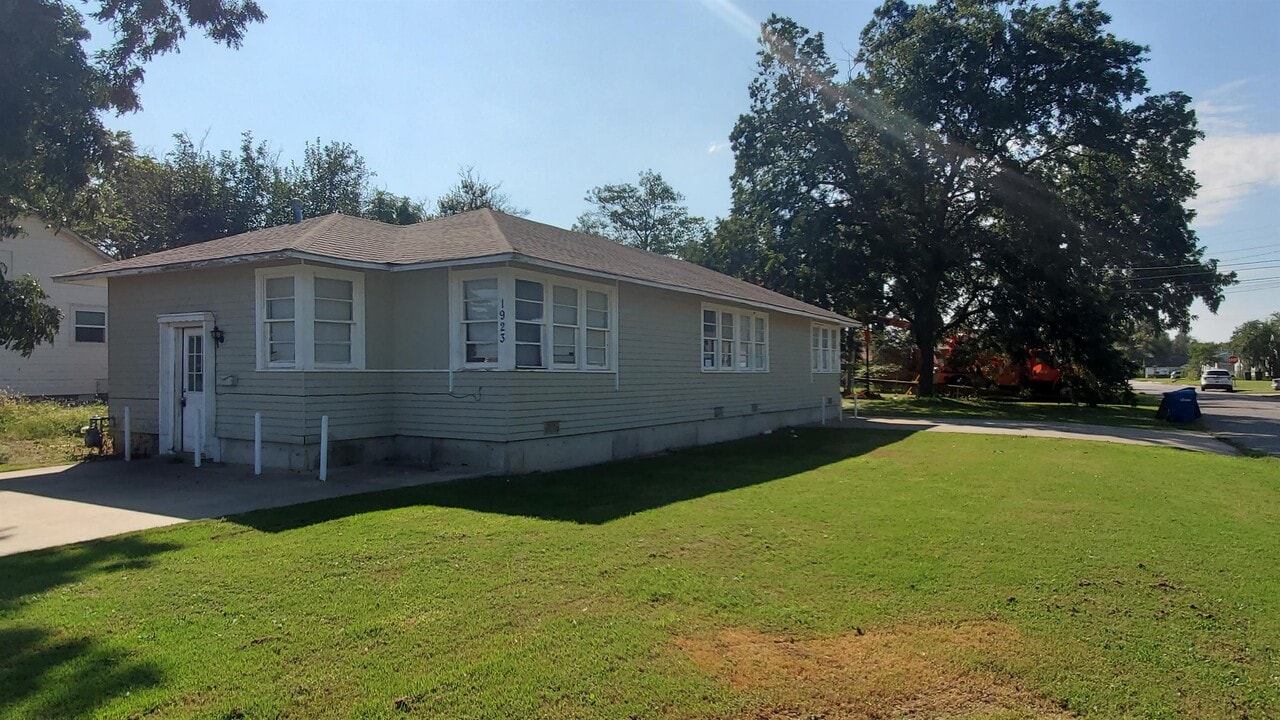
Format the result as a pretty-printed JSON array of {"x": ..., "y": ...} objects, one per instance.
[{"x": 996, "y": 166}]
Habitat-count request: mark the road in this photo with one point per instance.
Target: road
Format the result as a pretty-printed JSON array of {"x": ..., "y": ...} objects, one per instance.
[{"x": 1252, "y": 420}]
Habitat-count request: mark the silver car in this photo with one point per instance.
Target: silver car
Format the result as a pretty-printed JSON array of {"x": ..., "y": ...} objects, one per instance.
[
  {"x": 1275, "y": 384},
  {"x": 1220, "y": 379}
]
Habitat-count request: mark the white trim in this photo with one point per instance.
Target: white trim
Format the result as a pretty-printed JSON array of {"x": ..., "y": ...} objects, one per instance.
[
  {"x": 496, "y": 258},
  {"x": 737, "y": 313},
  {"x": 834, "y": 336},
  {"x": 506, "y": 276},
  {"x": 304, "y": 296},
  {"x": 83, "y": 307},
  {"x": 170, "y": 325}
]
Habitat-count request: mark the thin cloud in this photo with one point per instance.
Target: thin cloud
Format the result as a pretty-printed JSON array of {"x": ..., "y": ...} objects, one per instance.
[
  {"x": 714, "y": 148},
  {"x": 1231, "y": 163}
]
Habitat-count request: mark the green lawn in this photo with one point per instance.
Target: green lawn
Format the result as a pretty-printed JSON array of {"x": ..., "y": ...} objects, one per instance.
[
  {"x": 1141, "y": 414},
  {"x": 36, "y": 433},
  {"x": 818, "y": 573}
]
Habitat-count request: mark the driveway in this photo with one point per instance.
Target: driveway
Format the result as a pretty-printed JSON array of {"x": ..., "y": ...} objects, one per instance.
[
  {"x": 55, "y": 506},
  {"x": 1252, "y": 420},
  {"x": 1181, "y": 439}
]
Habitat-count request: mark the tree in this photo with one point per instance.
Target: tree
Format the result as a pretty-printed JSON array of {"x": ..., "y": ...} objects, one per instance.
[
  {"x": 993, "y": 166},
  {"x": 331, "y": 179},
  {"x": 394, "y": 209},
  {"x": 1258, "y": 342},
  {"x": 52, "y": 96},
  {"x": 473, "y": 193},
  {"x": 1200, "y": 354},
  {"x": 649, "y": 215}
]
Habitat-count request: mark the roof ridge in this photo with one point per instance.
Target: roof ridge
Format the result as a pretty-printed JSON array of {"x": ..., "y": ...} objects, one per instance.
[
  {"x": 488, "y": 215},
  {"x": 326, "y": 221}
]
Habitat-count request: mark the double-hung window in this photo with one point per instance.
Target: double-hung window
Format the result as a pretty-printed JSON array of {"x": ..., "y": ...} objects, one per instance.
[
  {"x": 734, "y": 340},
  {"x": 559, "y": 324},
  {"x": 824, "y": 349},
  {"x": 90, "y": 326},
  {"x": 310, "y": 317}
]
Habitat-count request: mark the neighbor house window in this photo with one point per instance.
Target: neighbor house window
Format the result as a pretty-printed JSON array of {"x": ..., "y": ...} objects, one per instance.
[
  {"x": 824, "y": 351},
  {"x": 734, "y": 340},
  {"x": 558, "y": 324},
  {"x": 90, "y": 326},
  {"x": 310, "y": 318}
]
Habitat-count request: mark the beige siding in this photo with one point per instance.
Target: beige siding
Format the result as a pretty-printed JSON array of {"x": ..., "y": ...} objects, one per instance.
[
  {"x": 660, "y": 378},
  {"x": 405, "y": 389},
  {"x": 66, "y": 367}
]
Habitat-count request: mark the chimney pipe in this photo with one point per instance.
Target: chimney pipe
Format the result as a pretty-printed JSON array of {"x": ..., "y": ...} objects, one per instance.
[{"x": 296, "y": 204}]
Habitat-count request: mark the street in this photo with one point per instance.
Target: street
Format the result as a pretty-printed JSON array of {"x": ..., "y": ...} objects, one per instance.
[{"x": 1252, "y": 420}]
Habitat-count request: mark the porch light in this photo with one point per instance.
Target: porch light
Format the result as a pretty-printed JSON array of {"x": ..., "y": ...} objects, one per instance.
[{"x": 217, "y": 335}]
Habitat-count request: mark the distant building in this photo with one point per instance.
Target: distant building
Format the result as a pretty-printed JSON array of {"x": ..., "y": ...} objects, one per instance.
[{"x": 75, "y": 364}]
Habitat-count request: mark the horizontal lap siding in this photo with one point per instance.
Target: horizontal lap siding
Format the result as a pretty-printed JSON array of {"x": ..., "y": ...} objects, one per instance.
[{"x": 660, "y": 379}]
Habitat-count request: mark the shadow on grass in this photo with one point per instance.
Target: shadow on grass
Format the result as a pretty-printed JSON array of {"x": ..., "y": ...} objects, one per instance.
[
  {"x": 43, "y": 676},
  {"x": 39, "y": 571},
  {"x": 602, "y": 493}
]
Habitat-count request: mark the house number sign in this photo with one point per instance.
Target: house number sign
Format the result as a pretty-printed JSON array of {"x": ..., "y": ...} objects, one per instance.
[{"x": 502, "y": 320}]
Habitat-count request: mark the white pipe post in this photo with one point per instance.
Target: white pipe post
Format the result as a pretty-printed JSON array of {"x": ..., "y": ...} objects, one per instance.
[
  {"x": 855, "y": 405},
  {"x": 257, "y": 443},
  {"x": 199, "y": 434},
  {"x": 823, "y": 407},
  {"x": 324, "y": 448},
  {"x": 128, "y": 437}
]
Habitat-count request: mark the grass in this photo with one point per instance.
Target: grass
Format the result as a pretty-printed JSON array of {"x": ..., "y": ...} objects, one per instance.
[
  {"x": 837, "y": 569},
  {"x": 1141, "y": 414},
  {"x": 36, "y": 433}
]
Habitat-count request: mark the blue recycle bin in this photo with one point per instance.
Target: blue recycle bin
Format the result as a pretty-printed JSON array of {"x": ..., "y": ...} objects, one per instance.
[{"x": 1179, "y": 406}]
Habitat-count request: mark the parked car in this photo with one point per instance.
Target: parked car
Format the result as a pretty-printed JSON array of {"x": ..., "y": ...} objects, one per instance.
[
  {"x": 1220, "y": 379},
  {"x": 1175, "y": 374},
  {"x": 1275, "y": 384}
]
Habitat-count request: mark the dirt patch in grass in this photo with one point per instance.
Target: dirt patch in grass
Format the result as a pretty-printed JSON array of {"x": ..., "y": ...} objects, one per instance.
[{"x": 921, "y": 672}]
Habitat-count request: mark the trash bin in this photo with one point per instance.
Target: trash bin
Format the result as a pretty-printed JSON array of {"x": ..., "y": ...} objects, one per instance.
[{"x": 1179, "y": 406}]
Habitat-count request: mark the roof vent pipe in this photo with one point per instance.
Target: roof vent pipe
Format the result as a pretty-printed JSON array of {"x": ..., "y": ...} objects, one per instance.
[{"x": 296, "y": 204}]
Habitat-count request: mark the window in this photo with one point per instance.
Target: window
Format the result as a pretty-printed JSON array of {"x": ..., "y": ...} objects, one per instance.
[
  {"x": 480, "y": 319},
  {"x": 194, "y": 363},
  {"x": 734, "y": 340},
  {"x": 824, "y": 348},
  {"x": 558, "y": 324},
  {"x": 310, "y": 318},
  {"x": 90, "y": 326}
]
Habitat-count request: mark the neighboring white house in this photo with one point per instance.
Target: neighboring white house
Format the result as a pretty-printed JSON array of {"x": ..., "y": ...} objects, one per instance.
[
  {"x": 75, "y": 365},
  {"x": 480, "y": 339}
]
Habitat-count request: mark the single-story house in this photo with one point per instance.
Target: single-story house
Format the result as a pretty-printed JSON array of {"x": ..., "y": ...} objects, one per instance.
[
  {"x": 74, "y": 365},
  {"x": 479, "y": 339}
]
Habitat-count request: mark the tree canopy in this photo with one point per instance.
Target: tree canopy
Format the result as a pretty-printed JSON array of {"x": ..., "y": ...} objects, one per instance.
[
  {"x": 649, "y": 215},
  {"x": 994, "y": 166},
  {"x": 1258, "y": 343},
  {"x": 473, "y": 193},
  {"x": 52, "y": 98}
]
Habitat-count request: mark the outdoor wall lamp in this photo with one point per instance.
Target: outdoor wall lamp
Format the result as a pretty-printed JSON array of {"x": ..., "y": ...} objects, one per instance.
[{"x": 218, "y": 336}]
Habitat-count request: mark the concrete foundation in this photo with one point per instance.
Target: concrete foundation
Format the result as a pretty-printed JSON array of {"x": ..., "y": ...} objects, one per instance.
[{"x": 521, "y": 456}]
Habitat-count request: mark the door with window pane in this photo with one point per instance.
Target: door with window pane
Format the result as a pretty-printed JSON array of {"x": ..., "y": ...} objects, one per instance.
[{"x": 191, "y": 375}]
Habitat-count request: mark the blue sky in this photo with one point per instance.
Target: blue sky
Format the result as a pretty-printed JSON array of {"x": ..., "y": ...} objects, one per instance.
[{"x": 552, "y": 98}]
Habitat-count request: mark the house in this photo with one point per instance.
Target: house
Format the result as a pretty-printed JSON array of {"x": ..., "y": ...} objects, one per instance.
[
  {"x": 479, "y": 339},
  {"x": 75, "y": 364}
]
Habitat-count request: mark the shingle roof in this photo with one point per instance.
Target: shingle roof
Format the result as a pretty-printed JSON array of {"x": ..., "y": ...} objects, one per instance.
[{"x": 468, "y": 236}]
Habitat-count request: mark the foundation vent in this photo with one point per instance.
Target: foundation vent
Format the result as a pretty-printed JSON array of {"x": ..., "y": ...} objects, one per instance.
[
  {"x": 755, "y": 408},
  {"x": 551, "y": 427},
  {"x": 719, "y": 412}
]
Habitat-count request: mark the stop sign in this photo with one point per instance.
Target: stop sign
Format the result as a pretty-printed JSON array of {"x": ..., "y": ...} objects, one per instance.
[{"x": 1233, "y": 359}]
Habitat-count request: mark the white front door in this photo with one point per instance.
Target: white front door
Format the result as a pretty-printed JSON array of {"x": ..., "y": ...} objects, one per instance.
[{"x": 191, "y": 378}]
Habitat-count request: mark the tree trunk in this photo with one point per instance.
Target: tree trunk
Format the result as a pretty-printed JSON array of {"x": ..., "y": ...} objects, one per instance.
[{"x": 925, "y": 343}]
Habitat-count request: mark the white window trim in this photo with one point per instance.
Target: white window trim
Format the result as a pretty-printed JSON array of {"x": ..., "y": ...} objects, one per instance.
[
  {"x": 507, "y": 277},
  {"x": 304, "y": 302},
  {"x": 106, "y": 321},
  {"x": 738, "y": 313},
  {"x": 815, "y": 365}
]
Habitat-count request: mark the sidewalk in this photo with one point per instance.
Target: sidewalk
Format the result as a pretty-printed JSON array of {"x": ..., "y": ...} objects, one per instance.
[{"x": 1181, "y": 439}]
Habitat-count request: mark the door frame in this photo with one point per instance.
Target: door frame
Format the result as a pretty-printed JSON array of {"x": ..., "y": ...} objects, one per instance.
[{"x": 171, "y": 326}]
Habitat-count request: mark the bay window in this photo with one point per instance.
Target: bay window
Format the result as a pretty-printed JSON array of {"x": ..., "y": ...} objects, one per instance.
[
  {"x": 734, "y": 340},
  {"x": 310, "y": 318},
  {"x": 559, "y": 324}
]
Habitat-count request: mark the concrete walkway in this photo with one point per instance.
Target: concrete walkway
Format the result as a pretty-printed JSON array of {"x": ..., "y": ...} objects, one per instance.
[
  {"x": 1181, "y": 439},
  {"x": 54, "y": 506}
]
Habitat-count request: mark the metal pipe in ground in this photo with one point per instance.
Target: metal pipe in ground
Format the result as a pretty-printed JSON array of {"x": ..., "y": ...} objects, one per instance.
[
  {"x": 257, "y": 443},
  {"x": 324, "y": 448},
  {"x": 128, "y": 436}
]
